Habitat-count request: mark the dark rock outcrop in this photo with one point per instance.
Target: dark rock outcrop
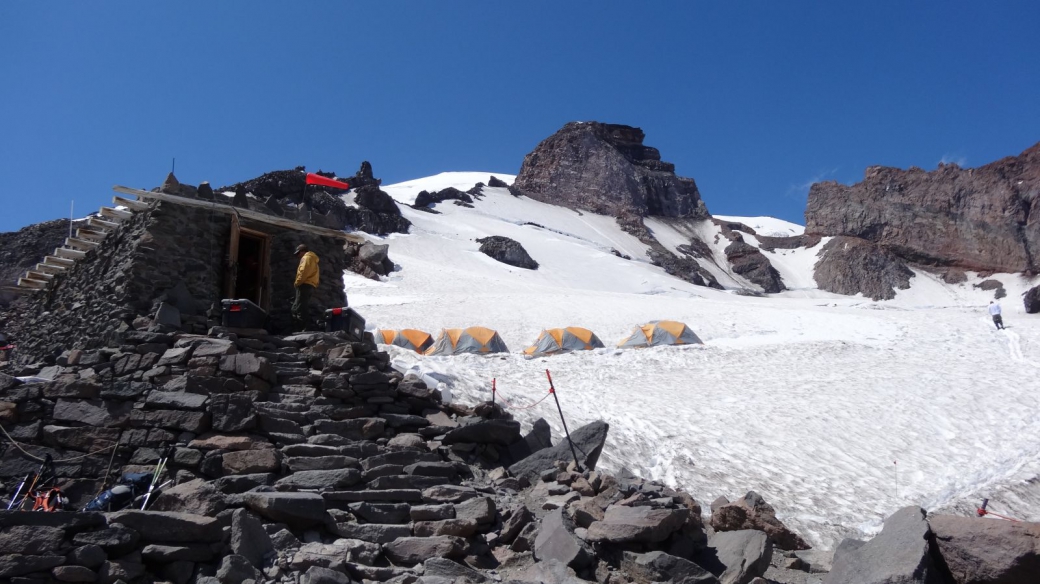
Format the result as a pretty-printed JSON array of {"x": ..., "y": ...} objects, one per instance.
[
  {"x": 1031, "y": 300},
  {"x": 975, "y": 550},
  {"x": 425, "y": 198},
  {"x": 507, "y": 251},
  {"x": 376, "y": 213},
  {"x": 752, "y": 512},
  {"x": 849, "y": 265},
  {"x": 981, "y": 219},
  {"x": 749, "y": 262},
  {"x": 605, "y": 168}
]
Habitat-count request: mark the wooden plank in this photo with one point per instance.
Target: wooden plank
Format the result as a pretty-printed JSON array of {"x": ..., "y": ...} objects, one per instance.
[
  {"x": 90, "y": 234},
  {"x": 49, "y": 268},
  {"x": 81, "y": 244},
  {"x": 244, "y": 213},
  {"x": 15, "y": 289},
  {"x": 101, "y": 223},
  {"x": 117, "y": 214},
  {"x": 130, "y": 203},
  {"x": 59, "y": 261},
  {"x": 71, "y": 254},
  {"x": 33, "y": 284},
  {"x": 41, "y": 276}
]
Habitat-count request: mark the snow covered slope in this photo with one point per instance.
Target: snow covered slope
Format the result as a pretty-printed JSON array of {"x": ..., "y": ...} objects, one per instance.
[{"x": 838, "y": 410}]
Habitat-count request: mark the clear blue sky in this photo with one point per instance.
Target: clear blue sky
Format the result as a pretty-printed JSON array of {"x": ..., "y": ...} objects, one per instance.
[{"x": 754, "y": 100}]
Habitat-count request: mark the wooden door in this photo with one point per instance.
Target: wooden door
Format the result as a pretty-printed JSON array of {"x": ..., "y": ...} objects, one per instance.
[{"x": 231, "y": 265}]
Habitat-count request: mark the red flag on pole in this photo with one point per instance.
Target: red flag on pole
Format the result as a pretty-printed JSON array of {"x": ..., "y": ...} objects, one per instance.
[{"x": 317, "y": 179}]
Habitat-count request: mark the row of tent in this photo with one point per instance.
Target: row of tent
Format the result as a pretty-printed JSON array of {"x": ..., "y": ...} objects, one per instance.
[{"x": 478, "y": 339}]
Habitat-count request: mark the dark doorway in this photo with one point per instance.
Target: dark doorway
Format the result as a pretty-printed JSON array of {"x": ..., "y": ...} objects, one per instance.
[{"x": 249, "y": 255}]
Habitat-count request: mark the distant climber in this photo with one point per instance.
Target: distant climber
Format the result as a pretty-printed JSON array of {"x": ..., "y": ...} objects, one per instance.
[
  {"x": 994, "y": 311},
  {"x": 306, "y": 282}
]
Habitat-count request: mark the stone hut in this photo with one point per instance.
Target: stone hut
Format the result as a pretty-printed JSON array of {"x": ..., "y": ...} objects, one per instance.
[{"x": 165, "y": 265}]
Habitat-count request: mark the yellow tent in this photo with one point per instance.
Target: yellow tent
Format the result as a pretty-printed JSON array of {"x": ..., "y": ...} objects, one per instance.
[
  {"x": 475, "y": 339},
  {"x": 563, "y": 340},
  {"x": 413, "y": 339},
  {"x": 660, "y": 332}
]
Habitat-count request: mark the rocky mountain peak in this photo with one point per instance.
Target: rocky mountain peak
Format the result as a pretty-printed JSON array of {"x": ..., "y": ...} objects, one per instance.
[{"x": 606, "y": 168}]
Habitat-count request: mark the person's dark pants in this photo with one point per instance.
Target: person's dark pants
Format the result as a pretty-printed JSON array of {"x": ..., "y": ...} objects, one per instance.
[
  {"x": 301, "y": 307},
  {"x": 998, "y": 321}
]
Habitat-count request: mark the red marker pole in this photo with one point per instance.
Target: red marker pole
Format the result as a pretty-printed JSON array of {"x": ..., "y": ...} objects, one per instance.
[
  {"x": 574, "y": 453},
  {"x": 492, "y": 395}
]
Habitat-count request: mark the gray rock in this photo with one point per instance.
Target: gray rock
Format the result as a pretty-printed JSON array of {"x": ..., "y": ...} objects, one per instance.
[
  {"x": 90, "y": 556},
  {"x": 321, "y": 479},
  {"x": 165, "y": 554},
  {"x": 319, "y": 575},
  {"x": 549, "y": 572},
  {"x": 737, "y": 557},
  {"x": 897, "y": 555},
  {"x": 234, "y": 569},
  {"x": 556, "y": 541},
  {"x": 512, "y": 526},
  {"x": 850, "y": 266},
  {"x": 623, "y": 524},
  {"x": 175, "y": 400},
  {"x": 198, "y": 496},
  {"x": 588, "y": 443},
  {"x": 381, "y": 512},
  {"x": 657, "y": 566},
  {"x": 302, "y": 463},
  {"x": 508, "y": 251},
  {"x": 23, "y": 539},
  {"x": 250, "y": 461},
  {"x": 481, "y": 510},
  {"x": 977, "y": 550},
  {"x": 19, "y": 564},
  {"x": 74, "y": 574},
  {"x": 409, "y": 551},
  {"x": 249, "y": 539},
  {"x": 752, "y": 512},
  {"x": 372, "y": 532},
  {"x": 445, "y": 568},
  {"x": 481, "y": 431},
  {"x": 122, "y": 569},
  {"x": 160, "y": 526},
  {"x": 93, "y": 412},
  {"x": 448, "y": 494},
  {"x": 432, "y": 512},
  {"x": 168, "y": 315},
  {"x": 457, "y": 527},
  {"x": 115, "y": 540},
  {"x": 295, "y": 509}
]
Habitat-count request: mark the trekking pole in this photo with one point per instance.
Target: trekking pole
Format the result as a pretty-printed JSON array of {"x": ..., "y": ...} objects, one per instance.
[
  {"x": 17, "y": 492},
  {"x": 492, "y": 394},
  {"x": 574, "y": 453},
  {"x": 160, "y": 466},
  {"x": 36, "y": 479}
]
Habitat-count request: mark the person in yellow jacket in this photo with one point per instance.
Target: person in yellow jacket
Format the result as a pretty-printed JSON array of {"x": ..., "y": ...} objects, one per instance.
[{"x": 306, "y": 282}]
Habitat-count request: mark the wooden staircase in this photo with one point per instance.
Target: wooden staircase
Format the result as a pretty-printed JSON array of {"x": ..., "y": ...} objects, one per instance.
[{"x": 75, "y": 248}]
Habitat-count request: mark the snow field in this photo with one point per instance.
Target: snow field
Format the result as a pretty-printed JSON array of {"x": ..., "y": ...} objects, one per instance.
[{"x": 837, "y": 410}]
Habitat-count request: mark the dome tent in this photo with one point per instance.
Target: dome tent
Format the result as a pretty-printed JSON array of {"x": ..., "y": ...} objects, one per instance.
[
  {"x": 413, "y": 339},
  {"x": 563, "y": 340},
  {"x": 660, "y": 332},
  {"x": 475, "y": 339}
]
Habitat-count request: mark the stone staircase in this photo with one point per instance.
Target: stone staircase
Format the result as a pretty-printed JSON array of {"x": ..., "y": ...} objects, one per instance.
[{"x": 86, "y": 238}]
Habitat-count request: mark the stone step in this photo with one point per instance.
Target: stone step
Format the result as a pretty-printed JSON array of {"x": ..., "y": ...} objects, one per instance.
[{"x": 375, "y": 496}]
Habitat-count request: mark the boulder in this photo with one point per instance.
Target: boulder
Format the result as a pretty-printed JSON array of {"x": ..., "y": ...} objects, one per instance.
[
  {"x": 20, "y": 564},
  {"x": 295, "y": 509},
  {"x": 319, "y": 575},
  {"x": 737, "y": 557},
  {"x": 249, "y": 539},
  {"x": 169, "y": 527},
  {"x": 235, "y": 569},
  {"x": 507, "y": 251},
  {"x": 409, "y": 551},
  {"x": 751, "y": 263},
  {"x": 899, "y": 554},
  {"x": 623, "y": 524},
  {"x": 981, "y": 550},
  {"x": 231, "y": 412},
  {"x": 197, "y": 496},
  {"x": 250, "y": 461},
  {"x": 588, "y": 442},
  {"x": 30, "y": 540},
  {"x": 1031, "y": 300},
  {"x": 657, "y": 566},
  {"x": 752, "y": 512},
  {"x": 481, "y": 431},
  {"x": 452, "y": 571},
  {"x": 321, "y": 479},
  {"x": 556, "y": 541}
]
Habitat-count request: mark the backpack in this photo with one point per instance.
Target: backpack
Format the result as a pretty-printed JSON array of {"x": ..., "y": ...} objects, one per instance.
[{"x": 130, "y": 486}]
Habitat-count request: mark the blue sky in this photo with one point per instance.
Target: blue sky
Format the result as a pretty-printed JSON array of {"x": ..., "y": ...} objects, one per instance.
[{"x": 754, "y": 100}]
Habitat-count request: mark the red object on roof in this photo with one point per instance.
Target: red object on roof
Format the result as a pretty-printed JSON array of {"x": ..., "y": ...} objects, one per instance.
[{"x": 317, "y": 179}]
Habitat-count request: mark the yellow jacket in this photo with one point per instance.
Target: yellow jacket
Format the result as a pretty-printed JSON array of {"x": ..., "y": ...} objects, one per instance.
[{"x": 307, "y": 271}]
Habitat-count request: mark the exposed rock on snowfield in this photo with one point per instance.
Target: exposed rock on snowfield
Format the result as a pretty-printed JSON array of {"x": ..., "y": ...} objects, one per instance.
[
  {"x": 752, "y": 512},
  {"x": 375, "y": 213},
  {"x": 507, "y": 251},
  {"x": 849, "y": 265},
  {"x": 1031, "y": 299},
  {"x": 605, "y": 168},
  {"x": 982, "y": 219}
]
